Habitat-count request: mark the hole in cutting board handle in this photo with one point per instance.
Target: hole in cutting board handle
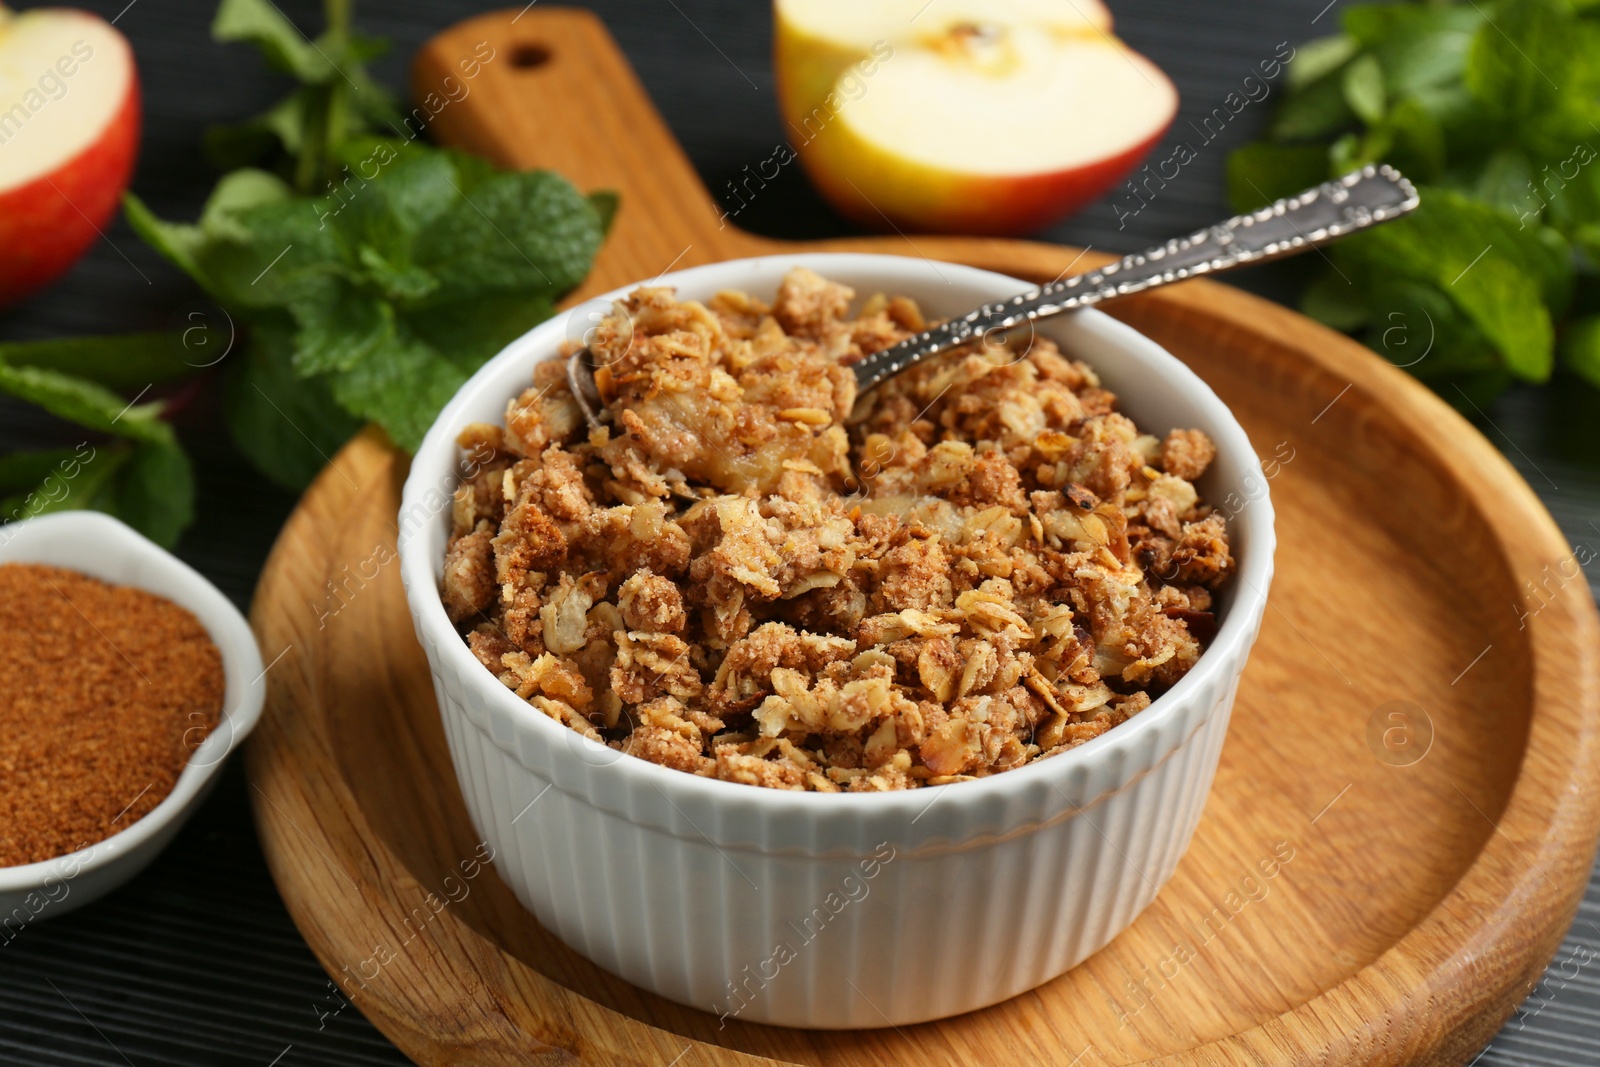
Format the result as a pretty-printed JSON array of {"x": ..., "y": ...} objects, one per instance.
[{"x": 529, "y": 56}]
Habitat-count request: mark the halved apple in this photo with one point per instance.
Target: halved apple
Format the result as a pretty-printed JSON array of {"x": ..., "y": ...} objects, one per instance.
[
  {"x": 998, "y": 117},
  {"x": 69, "y": 132}
]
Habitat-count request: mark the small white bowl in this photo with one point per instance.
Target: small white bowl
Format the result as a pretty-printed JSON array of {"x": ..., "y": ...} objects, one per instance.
[
  {"x": 843, "y": 910},
  {"x": 102, "y": 547}
]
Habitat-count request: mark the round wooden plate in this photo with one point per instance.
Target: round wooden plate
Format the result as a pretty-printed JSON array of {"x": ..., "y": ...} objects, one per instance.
[{"x": 1410, "y": 755}]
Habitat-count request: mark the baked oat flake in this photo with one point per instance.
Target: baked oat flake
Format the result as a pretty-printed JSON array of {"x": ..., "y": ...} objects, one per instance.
[{"x": 755, "y": 575}]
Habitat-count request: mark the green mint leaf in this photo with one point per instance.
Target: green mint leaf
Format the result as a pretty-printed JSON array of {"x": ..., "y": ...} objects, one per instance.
[
  {"x": 339, "y": 327},
  {"x": 153, "y": 491},
  {"x": 84, "y": 403},
  {"x": 224, "y": 216},
  {"x": 1449, "y": 231},
  {"x": 178, "y": 242},
  {"x": 24, "y": 470},
  {"x": 472, "y": 172},
  {"x": 223, "y": 219},
  {"x": 1349, "y": 152},
  {"x": 396, "y": 281},
  {"x": 469, "y": 332},
  {"x": 259, "y": 22},
  {"x": 290, "y": 119},
  {"x": 339, "y": 120},
  {"x": 283, "y": 126},
  {"x": 1423, "y": 48},
  {"x": 336, "y": 100},
  {"x": 1580, "y": 348},
  {"x": 116, "y": 361},
  {"x": 1587, "y": 238},
  {"x": 376, "y": 300},
  {"x": 1362, "y": 83},
  {"x": 1519, "y": 60},
  {"x": 146, "y": 484},
  {"x": 372, "y": 106},
  {"x": 1470, "y": 132},
  {"x": 525, "y": 232},
  {"x": 77, "y": 480},
  {"x": 1371, "y": 24},
  {"x": 1494, "y": 107},
  {"x": 1410, "y": 138},
  {"x": 362, "y": 49},
  {"x": 1320, "y": 110},
  {"x": 1506, "y": 281},
  {"x": 1504, "y": 181},
  {"x": 402, "y": 388},
  {"x": 388, "y": 191},
  {"x": 1504, "y": 304},
  {"x": 1261, "y": 173},
  {"x": 605, "y": 203},
  {"x": 289, "y": 427},
  {"x": 1316, "y": 59},
  {"x": 270, "y": 255},
  {"x": 1568, "y": 188},
  {"x": 1336, "y": 302},
  {"x": 1419, "y": 328},
  {"x": 1454, "y": 106}
]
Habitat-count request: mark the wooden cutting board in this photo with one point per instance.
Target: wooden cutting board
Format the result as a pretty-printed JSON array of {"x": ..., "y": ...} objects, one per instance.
[{"x": 1416, "y": 730}]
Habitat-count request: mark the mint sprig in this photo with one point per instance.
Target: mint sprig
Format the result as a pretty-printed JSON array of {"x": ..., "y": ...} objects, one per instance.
[
  {"x": 368, "y": 276},
  {"x": 335, "y": 100},
  {"x": 1494, "y": 110},
  {"x": 141, "y": 475},
  {"x": 395, "y": 291}
]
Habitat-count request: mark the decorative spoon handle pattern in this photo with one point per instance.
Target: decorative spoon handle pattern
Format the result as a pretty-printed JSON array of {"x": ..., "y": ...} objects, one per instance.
[{"x": 1345, "y": 205}]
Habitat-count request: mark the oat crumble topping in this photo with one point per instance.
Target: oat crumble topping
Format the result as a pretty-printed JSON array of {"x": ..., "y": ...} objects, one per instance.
[{"x": 757, "y": 576}]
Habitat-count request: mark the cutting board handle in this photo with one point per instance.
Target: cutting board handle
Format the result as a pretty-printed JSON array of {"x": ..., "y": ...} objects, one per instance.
[{"x": 549, "y": 88}]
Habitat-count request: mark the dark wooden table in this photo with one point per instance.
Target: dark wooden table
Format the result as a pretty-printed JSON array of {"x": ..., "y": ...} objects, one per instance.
[{"x": 196, "y": 962}]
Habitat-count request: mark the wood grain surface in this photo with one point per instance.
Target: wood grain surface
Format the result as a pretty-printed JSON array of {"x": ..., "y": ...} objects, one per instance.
[{"x": 1421, "y": 897}]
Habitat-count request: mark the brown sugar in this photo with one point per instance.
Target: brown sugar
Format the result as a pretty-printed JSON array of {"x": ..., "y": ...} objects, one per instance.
[{"x": 105, "y": 691}]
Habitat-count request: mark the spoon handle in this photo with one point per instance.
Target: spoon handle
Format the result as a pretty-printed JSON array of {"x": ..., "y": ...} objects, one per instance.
[{"x": 1345, "y": 205}]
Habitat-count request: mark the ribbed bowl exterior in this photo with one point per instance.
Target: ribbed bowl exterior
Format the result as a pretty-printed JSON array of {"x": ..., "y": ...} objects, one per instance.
[
  {"x": 859, "y": 922},
  {"x": 842, "y": 910}
]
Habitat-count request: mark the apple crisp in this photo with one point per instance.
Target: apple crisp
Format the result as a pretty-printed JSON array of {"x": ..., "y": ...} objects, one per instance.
[{"x": 754, "y": 574}]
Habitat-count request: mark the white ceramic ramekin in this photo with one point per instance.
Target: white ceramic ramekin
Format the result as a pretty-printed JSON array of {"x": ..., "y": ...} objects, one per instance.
[
  {"x": 843, "y": 910},
  {"x": 104, "y": 548}
]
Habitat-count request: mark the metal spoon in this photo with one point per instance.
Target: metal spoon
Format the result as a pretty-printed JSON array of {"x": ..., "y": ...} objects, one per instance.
[{"x": 1345, "y": 205}]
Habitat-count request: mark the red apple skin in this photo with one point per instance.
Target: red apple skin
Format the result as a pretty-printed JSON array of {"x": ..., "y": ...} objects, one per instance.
[
  {"x": 881, "y": 194},
  {"x": 47, "y": 224}
]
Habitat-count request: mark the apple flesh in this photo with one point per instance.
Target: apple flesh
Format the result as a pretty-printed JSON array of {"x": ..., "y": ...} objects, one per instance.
[
  {"x": 967, "y": 124},
  {"x": 816, "y": 42},
  {"x": 69, "y": 133}
]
